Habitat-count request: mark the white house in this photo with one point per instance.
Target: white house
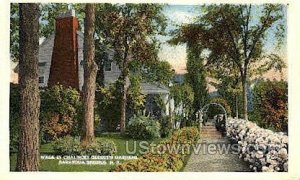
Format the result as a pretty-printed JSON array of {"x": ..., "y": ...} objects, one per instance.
[{"x": 61, "y": 61}]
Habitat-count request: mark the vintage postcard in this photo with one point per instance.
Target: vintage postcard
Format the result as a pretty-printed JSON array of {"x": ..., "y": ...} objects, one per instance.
[{"x": 150, "y": 87}]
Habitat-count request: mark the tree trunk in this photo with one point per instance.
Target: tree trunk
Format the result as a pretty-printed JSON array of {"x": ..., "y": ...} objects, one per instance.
[
  {"x": 236, "y": 108},
  {"x": 90, "y": 73},
  {"x": 244, "y": 84},
  {"x": 125, "y": 85},
  {"x": 28, "y": 152}
]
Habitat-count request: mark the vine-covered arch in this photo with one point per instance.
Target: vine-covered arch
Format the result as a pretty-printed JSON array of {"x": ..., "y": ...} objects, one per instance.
[{"x": 205, "y": 108}]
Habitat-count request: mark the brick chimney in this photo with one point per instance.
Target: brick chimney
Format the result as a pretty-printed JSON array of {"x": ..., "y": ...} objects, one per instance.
[{"x": 64, "y": 63}]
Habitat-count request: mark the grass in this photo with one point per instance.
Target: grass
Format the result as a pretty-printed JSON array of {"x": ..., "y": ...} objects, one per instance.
[{"x": 52, "y": 164}]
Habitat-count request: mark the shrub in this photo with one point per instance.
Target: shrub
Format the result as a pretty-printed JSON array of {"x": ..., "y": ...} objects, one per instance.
[
  {"x": 271, "y": 105},
  {"x": 213, "y": 110},
  {"x": 150, "y": 162},
  {"x": 184, "y": 100},
  {"x": 108, "y": 105},
  {"x": 100, "y": 147},
  {"x": 168, "y": 161},
  {"x": 14, "y": 116},
  {"x": 71, "y": 146},
  {"x": 61, "y": 112},
  {"x": 186, "y": 135},
  {"x": 166, "y": 126},
  {"x": 143, "y": 127},
  {"x": 108, "y": 102},
  {"x": 67, "y": 145}
]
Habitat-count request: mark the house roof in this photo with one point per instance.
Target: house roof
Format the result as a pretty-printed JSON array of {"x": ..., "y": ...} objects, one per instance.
[{"x": 152, "y": 88}]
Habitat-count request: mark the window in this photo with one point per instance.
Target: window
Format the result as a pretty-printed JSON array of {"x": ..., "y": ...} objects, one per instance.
[
  {"x": 42, "y": 66},
  {"x": 107, "y": 66},
  {"x": 41, "y": 79}
]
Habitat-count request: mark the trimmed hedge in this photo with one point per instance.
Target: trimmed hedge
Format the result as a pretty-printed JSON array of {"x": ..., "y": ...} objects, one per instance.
[{"x": 162, "y": 162}]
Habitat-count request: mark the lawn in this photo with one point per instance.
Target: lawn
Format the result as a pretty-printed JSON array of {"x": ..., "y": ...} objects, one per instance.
[{"x": 52, "y": 164}]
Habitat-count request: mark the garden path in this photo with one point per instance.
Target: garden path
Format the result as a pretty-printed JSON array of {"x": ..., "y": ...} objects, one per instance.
[{"x": 211, "y": 158}]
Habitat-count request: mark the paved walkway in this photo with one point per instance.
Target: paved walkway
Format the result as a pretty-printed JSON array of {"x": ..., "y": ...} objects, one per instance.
[{"x": 215, "y": 161}]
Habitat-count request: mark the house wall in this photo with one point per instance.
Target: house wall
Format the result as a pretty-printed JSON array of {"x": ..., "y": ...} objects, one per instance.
[
  {"x": 113, "y": 75},
  {"x": 80, "y": 59},
  {"x": 45, "y": 56}
]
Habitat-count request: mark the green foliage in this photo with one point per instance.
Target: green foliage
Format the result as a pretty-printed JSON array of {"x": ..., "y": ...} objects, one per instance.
[
  {"x": 230, "y": 89},
  {"x": 159, "y": 101},
  {"x": 183, "y": 94},
  {"x": 131, "y": 26},
  {"x": 166, "y": 126},
  {"x": 108, "y": 105},
  {"x": 49, "y": 11},
  {"x": 163, "y": 162},
  {"x": 67, "y": 145},
  {"x": 234, "y": 39},
  {"x": 61, "y": 112},
  {"x": 214, "y": 110},
  {"x": 196, "y": 71},
  {"x": 136, "y": 98},
  {"x": 234, "y": 35},
  {"x": 14, "y": 116},
  {"x": 160, "y": 72},
  {"x": 71, "y": 146},
  {"x": 108, "y": 101},
  {"x": 52, "y": 164},
  {"x": 131, "y": 31},
  {"x": 152, "y": 163},
  {"x": 153, "y": 71},
  {"x": 271, "y": 105},
  {"x": 14, "y": 31},
  {"x": 100, "y": 147},
  {"x": 143, "y": 127},
  {"x": 185, "y": 135},
  {"x": 196, "y": 76}
]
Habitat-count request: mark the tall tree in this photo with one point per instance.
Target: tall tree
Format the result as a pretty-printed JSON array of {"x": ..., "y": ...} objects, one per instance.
[
  {"x": 196, "y": 76},
  {"x": 90, "y": 73},
  {"x": 196, "y": 70},
  {"x": 131, "y": 31},
  {"x": 235, "y": 36},
  {"x": 28, "y": 152}
]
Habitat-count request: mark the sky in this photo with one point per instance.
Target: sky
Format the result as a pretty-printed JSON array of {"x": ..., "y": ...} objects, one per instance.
[
  {"x": 184, "y": 14},
  {"x": 176, "y": 15}
]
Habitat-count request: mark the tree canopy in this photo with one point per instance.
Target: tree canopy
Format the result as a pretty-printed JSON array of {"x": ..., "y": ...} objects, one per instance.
[{"x": 234, "y": 37}]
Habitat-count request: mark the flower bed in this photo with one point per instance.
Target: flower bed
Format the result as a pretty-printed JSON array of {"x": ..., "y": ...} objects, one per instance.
[
  {"x": 166, "y": 161},
  {"x": 264, "y": 149}
]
